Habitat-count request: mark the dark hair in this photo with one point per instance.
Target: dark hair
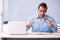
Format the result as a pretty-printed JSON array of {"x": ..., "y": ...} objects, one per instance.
[{"x": 43, "y": 5}]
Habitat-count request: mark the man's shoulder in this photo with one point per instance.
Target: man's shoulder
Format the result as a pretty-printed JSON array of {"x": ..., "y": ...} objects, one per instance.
[
  {"x": 49, "y": 17},
  {"x": 32, "y": 17}
]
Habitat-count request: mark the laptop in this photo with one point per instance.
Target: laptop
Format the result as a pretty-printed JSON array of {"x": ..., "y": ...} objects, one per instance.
[{"x": 17, "y": 27}]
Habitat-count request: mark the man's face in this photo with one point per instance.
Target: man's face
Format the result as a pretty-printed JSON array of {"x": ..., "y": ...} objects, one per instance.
[{"x": 42, "y": 11}]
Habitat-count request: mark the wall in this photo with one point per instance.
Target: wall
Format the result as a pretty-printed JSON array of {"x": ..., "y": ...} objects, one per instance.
[
  {"x": 17, "y": 10},
  {"x": 5, "y": 10},
  {"x": 0, "y": 16}
]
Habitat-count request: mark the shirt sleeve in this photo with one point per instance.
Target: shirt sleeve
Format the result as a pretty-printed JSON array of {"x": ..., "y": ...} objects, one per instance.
[
  {"x": 55, "y": 26},
  {"x": 54, "y": 29},
  {"x": 29, "y": 19}
]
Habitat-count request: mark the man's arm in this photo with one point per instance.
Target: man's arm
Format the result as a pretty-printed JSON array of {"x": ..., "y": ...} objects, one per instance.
[
  {"x": 53, "y": 25},
  {"x": 49, "y": 23},
  {"x": 28, "y": 24}
]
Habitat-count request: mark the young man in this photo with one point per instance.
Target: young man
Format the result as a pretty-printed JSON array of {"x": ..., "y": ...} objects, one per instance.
[{"x": 41, "y": 22}]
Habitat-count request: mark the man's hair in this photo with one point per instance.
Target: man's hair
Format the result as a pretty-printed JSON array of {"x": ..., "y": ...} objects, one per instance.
[{"x": 43, "y": 5}]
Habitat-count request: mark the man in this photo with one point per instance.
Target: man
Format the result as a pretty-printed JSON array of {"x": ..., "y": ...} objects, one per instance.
[{"x": 41, "y": 22}]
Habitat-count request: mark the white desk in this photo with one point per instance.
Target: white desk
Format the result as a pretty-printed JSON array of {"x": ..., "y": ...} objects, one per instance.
[
  {"x": 5, "y": 34},
  {"x": 57, "y": 35}
]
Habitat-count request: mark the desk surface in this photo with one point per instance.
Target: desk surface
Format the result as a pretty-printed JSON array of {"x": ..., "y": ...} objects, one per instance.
[
  {"x": 52, "y": 35},
  {"x": 57, "y": 35}
]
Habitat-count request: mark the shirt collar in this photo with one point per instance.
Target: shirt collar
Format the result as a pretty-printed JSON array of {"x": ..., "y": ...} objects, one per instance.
[{"x": 38, "y": 17}]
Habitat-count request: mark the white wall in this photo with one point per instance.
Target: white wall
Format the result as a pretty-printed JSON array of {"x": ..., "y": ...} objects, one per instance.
[
  {"x": 5, "y": 10},
  {"x": 17, "y": 10},
  {"x": 21, "y": 9},
  {"x": 0, "y": 16}
]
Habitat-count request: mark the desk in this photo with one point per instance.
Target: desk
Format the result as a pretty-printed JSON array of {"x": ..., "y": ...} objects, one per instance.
[
  {"x": 30, "y": 37},
  {"x": 6, "y": 36},
  {"x": 56, "y": 35}
]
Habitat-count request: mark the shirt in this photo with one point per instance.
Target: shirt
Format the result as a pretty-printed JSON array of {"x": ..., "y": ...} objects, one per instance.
[{"x": 40, "y": 25}]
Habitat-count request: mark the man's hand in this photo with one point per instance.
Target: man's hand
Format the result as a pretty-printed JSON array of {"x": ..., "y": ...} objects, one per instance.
[
  {"x": 49, "y": 23},
  {"x": 29, "y": 24}
]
